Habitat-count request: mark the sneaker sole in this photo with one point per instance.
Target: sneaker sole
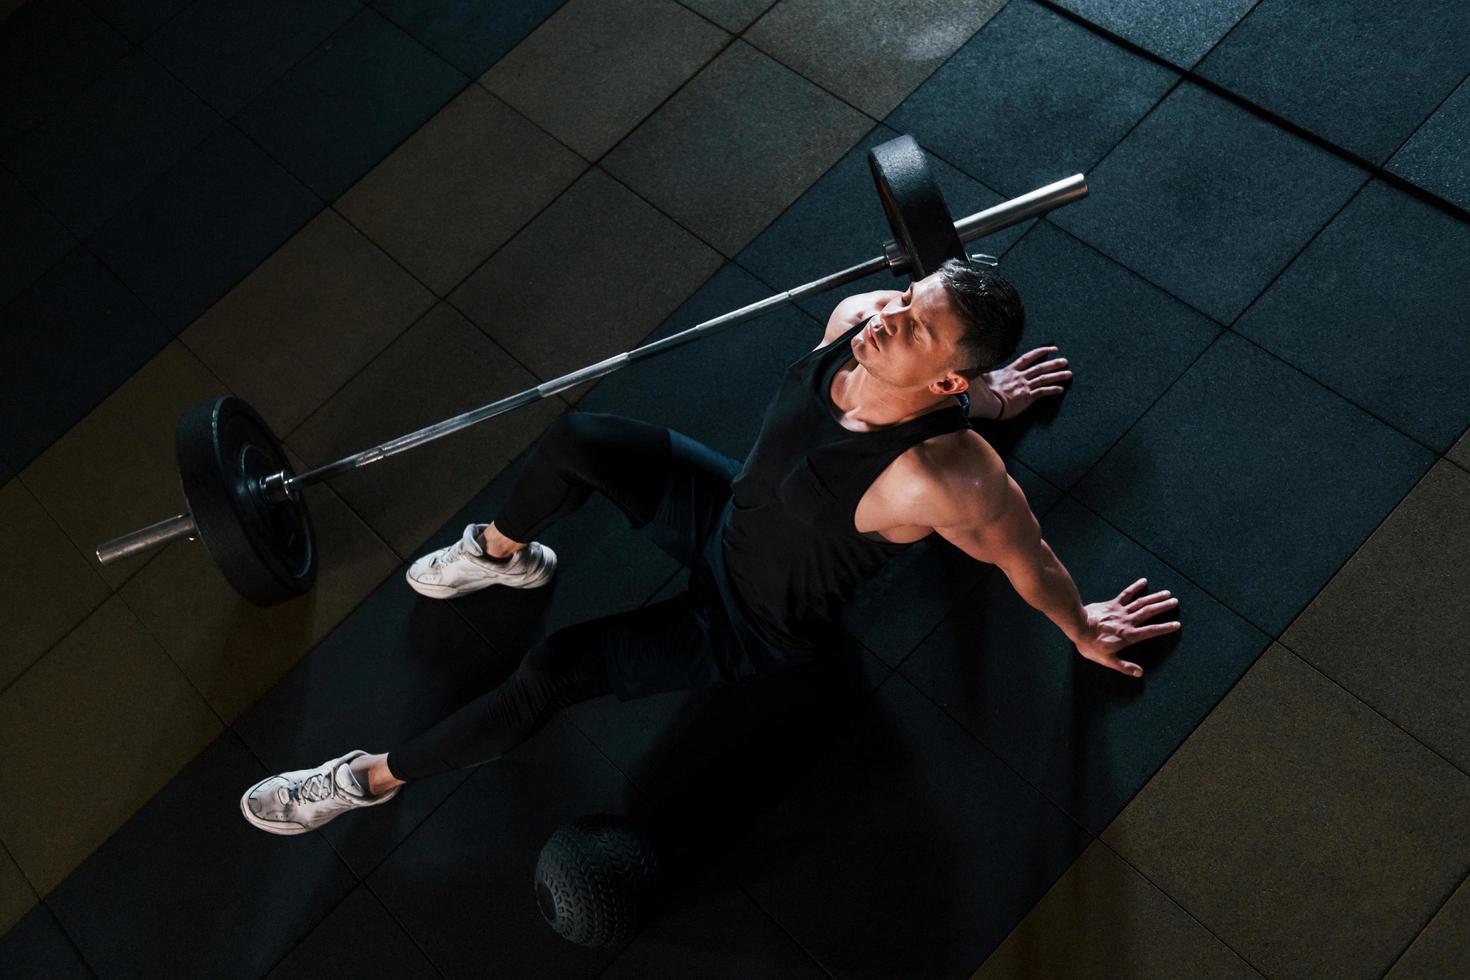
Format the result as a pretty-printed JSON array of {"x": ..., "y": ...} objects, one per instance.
[
  {"x": 291, "y": 830},
  {"x": 450, "y": 591}
]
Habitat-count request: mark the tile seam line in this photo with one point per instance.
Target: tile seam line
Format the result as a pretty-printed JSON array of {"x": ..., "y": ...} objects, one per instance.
[
  {"x": 740, "y": 33},
  {"x": 1261, "y": 112},
  {"x": 1427, "y": 923}
]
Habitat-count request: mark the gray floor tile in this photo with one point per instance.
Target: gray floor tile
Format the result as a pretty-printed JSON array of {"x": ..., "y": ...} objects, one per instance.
[
  {"x": 459, "y": 188},
  {"x": 1209, "y": 201},
  {"x": 1104, "y": 919},
  {"x": 1125, "y": 342},
  {"x": 1310, "y": 835},
  {"x": 234, "y": 652},
  {"x": 470, "y": 36},
  {"x": 777, "y": 133},
  {"x": 1435, "y": 158},
  {"x": 306, "y": 320},
  {"x": 359, "y": 931},
  {"x": 909, "y": 844},
  {"x": 47, "y": 584},
  {"x": 17, "y": 897},
  {"x": 596, "y": 68},
  {"x": 1086, "y": 736},
  {"x": 1443, "y": 948},
  {"x": 1390, "y": 626},
  {"x": 136, "y": 720},
  {"x": 96, "y": 154},
  {"x": 870, "y": 53},
  {"x": 1069, "y": 96},
  {"x": 1362, "y": 74},
  {"x": 1367, "y": 337},
  {"x": 117, "y": 469},
  {"x": 1181, "y": 31},
  {"x": 1246, "y": 464},
  {"x": 710, "y": 929},
  {"x": 733, "y": 15},
  {"x": 1460, "y": 451},
  {"x": 441, "y": 367},
  {"x": 574, "y": 286}
]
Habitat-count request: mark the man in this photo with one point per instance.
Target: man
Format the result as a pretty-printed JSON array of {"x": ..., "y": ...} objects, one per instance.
[{"x": 864, "y": 449}]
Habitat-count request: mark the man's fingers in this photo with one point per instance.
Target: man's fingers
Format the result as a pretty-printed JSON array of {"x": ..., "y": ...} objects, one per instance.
[
  {"x": 1131, "y": 669},
  {"x": 1147, "y": 632},
  {"x": 1032, "y": 355},
  {"x": 1132, "y": 590},
  {"x": 1147, "y": 599},
  {"x": 1153, "y": 609},
  {"x": 1056, "y": 377}
]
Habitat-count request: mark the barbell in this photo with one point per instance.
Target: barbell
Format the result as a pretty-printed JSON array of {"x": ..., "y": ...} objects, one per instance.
[{"x": 246, "y": 505}]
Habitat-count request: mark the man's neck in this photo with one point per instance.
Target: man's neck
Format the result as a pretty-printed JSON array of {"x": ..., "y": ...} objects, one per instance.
[{"x": 864, "y": 400}]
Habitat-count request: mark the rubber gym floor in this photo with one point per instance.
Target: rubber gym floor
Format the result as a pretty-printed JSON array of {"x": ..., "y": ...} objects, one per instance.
[{"x": 364, "y": 217}]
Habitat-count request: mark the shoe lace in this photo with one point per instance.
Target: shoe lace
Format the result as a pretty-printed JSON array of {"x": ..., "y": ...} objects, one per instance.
[
  {"x": 312, "y": 789},
  {"x": 449, "y": 555}
]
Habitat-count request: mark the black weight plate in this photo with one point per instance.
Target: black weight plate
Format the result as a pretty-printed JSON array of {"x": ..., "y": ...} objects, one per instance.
[
  {"x": 265, "y": 550},
  {"x": 921, "y": 222}
]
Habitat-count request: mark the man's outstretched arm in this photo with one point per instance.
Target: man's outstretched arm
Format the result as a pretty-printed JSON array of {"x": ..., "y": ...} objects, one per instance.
[{"x": 1001, "y": 530}]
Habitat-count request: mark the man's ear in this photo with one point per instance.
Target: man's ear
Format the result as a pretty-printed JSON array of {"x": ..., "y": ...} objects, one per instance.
[{"x": 950, "y": 384}]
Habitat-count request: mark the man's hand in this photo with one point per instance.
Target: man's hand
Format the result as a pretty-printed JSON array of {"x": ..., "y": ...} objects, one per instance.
[
  {"x": 1012, "y": 389},
  {"x": 1118, "y": 623}
]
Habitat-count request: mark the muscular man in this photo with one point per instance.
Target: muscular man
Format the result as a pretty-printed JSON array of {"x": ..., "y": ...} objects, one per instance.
[{"x": 864, "y": 449}]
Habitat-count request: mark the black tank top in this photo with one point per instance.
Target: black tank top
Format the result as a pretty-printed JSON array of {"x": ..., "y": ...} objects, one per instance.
[{"x": 791, "y": 547}]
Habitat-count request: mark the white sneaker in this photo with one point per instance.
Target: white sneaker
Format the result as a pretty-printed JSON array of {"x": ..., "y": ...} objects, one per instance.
[
  {"x": 296, "y": 802},
  {"x": 462, "y": 567}
]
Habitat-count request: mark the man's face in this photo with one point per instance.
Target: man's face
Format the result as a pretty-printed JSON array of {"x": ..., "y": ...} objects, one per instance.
[{"x": 913, "y": 340}]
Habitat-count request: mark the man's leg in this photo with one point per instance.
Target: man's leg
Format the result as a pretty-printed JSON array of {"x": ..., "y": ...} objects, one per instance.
[
  {"x": 625, "y": 460},
  {"x": 665, "y": 646}
]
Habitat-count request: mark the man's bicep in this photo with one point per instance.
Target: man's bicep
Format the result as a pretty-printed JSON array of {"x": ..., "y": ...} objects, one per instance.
[{"x": 1005, "y": 534}]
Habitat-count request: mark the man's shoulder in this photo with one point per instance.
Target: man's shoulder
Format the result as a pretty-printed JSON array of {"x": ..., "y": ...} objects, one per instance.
[{"x": 957, "y": 472}]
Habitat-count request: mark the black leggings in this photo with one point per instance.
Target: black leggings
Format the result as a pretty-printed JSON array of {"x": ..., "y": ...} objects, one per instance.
[{"x": 661, "y": 481}]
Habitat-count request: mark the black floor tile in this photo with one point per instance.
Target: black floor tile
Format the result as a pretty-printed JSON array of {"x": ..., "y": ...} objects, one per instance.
[
  {"x": 1434, "y": 158},
  {"x": 68, "y": 341},
  {"x": 349, "y": 102},
  {"x": 187, "y": 888},
  {"x": 462, "y": 884},
  {"x": 470, "y": 36},
  {"x": 1085, "y": 735},
  {"x": 360, "y": 938},
  {"x": 36, "y": 947},
  {"x": 908, "y": 597},
  {"x": 715, "y": 388},
  {"x": 90, "y": 159},
  {"x": 34, "y": 239},
  {"x": 393, "y": 668},
  {"x": 1369, "y": 336},
  {"x": 1253, "y": 480},
  {"x": 137, "y": 18},
  {"x": 708, "y": 928},
  {"x": 1362, "y": 74},
  {"x": 1181, "y": 31},
  {"x": 733, "y": 15},
  {"x": 1209, "y": 201},
  {"x": 203, "y": 226},
  {"x": 1124, "y": 340},
  {"x": 911, "y": 850},
  {"x": 49, "y": 51},
  {"x": 777, "y": 133},
  {"x": 227, "y": 53},
  {"x": 1068, "y": 97},
  {"x": 839, "y": 222}
]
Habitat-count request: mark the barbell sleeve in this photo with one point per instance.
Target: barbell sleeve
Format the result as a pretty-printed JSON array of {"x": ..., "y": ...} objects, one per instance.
[
  {"x": 279, "y": 486},
  {"x": 145, "y": 539}
]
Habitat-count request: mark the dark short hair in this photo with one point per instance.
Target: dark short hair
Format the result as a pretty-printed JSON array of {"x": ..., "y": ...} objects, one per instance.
[{"x": 992, "y": 313}]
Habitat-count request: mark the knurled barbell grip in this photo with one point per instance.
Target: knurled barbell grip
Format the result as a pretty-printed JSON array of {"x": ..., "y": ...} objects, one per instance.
[{"x": 145, "y": 539}]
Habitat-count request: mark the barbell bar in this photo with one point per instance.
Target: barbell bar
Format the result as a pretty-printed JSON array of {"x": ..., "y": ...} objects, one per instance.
[{"x": 267, "y": 503}]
